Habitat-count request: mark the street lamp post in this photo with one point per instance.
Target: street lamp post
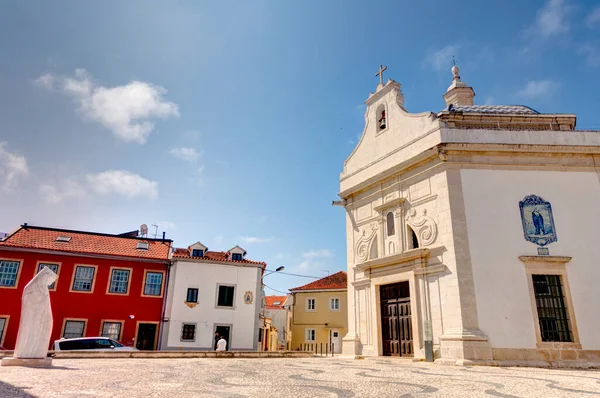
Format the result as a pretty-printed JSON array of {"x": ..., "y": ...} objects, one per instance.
[{"x": 263, "y": 301}]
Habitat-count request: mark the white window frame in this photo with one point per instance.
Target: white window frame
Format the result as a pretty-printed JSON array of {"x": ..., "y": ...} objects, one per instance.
[
  {"x": 310, "y": 335},
  {"x": 308, "y": 300},
  {"x": 333, "y": 300}
]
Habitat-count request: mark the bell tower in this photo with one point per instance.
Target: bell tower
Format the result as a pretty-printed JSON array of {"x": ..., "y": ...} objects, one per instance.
[{"x": 459, "y": 93}]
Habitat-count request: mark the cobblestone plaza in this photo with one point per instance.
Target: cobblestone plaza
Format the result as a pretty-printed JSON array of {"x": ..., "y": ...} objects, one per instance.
[{"x": 310, "y": 377}]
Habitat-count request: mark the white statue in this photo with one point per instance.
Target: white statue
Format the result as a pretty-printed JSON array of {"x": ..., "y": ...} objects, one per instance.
[{"x": 36, "y": 317}]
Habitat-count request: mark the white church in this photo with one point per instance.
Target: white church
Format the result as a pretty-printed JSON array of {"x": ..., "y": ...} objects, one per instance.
[{"x": 472, "y": 233}]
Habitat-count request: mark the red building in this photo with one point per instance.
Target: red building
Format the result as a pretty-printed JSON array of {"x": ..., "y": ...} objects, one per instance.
[{"x": 108, "y": 285}]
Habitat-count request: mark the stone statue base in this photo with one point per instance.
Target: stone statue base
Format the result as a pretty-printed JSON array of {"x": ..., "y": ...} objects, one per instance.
[{"x": 28, "y": 362}]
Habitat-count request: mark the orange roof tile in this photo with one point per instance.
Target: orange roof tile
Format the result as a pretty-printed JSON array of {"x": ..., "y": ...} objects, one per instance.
[
  {"x": 337, "y": 281},
  {"x": 31, "y": 237},
  {"x": 214, "y": 256},
  {"x": 271, "y": 300}
]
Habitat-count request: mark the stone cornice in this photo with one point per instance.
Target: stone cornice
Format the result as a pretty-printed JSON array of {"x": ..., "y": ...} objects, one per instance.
[
  {"x": 391, "y": 203},
  {"x": 545, "y": 259},
  {"x": 417, "y": 257}
]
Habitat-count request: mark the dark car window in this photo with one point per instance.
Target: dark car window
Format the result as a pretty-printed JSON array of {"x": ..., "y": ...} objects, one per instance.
[
  {"x": 116, "y": 343},
  {"x": 77, "y": 345},
  {"x": 103, "y": 343}
]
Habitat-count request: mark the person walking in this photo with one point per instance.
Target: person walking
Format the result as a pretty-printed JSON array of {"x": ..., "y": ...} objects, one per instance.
[{"x": 222, "y": 344}]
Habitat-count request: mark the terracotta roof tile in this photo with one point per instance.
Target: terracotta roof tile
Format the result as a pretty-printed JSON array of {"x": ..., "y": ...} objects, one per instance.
[
  {"x": 271, "y": 300},
  {"x": 180, "y": 253},
  {"x": 339, "y": 280},
  {"x": 31, "y": 237}
]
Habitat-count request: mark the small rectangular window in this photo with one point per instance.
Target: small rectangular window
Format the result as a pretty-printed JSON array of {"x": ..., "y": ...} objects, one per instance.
[
  {"x": 188, "y": 332},
  {"x": 225, "y": 298},
  {"x": 2, "y": 327},
  {"x": 197, "y": 253},
  {"x": 153, "y": 284},
  {"x": 119, "y": 281},
  {"x": 192, "y": 295},
  {"x": 334, "y": 304},
  {"x": 311, "y": 304},
  {"x": 236, "y": 256},
  {"x": 84, "y": 278},
  {"x": 311, "y": 335},
  {"x": 111, "y": 330},
  {"x": 73, "y": 329},
  {"x": 53, "y": 268},
  {"x": 551, "y": 308},
  {"x": 8, "y": 273},
  {"x": 63, "y": 239},
  {"x": 143, "y": 245}
]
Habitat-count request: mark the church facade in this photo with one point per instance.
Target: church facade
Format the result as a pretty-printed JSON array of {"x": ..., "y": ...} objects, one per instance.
[{"x": 471, "y": 233}]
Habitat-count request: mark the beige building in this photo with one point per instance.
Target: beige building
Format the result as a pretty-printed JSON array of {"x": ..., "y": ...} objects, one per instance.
[
  {"x": 320, "y": 313},
  {"x": 472, "y": 233}
]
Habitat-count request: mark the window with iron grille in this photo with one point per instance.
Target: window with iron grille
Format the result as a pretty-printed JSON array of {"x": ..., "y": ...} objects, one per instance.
[
  {"x": 8, "y": 273},
  {"x": 188, "y": 332},
  {"x": 73, "y": 329},
  {"x": 551, "y": 308},
  {"x": 84, "y": 276},
  {"x": 153, "y": 286},
  {"x": 53, "y": 268},
  {"x": 111, "y": 330},
  {"x": 119, "y": 281}
]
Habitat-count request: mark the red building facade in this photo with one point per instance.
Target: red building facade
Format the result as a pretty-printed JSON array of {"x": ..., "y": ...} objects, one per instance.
[{"x": 108, "y": 285}]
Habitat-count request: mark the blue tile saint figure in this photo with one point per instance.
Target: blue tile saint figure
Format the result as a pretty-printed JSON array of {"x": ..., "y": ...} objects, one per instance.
[{"x": 537, "y": 219}]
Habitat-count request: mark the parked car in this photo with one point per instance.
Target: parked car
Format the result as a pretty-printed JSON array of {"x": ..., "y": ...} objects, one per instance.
[{"x": 91, "y": 343}]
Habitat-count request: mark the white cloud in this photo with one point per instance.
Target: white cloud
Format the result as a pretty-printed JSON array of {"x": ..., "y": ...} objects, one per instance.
[
  {"x": 538, "y": 89},
  {"x": 551, "y": 20},
  {"x": 441, "y": 59},
  {"x": 123, "y": 183},
  {"x": 317, "y": 253},
  {"x": 591, "y": 54},
  {"x": 128, "y": 110},
  {"x": 188, "y": 154},
  {"x": 13, "y": 167},
  {"x": 46, "y": 81},
  {"x": 312, "y": 259},
  {"x": 593, "y": 18},
  {"x": 255, "y": 239},
  {"x": 66, "y": 190}
]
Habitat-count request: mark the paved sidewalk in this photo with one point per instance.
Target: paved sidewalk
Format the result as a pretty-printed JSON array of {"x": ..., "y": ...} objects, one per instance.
[{"x": 287, "y": 377}]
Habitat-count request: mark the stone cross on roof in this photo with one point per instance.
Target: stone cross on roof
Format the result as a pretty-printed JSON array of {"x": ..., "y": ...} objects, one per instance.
[{"x": 380, "y": 73}]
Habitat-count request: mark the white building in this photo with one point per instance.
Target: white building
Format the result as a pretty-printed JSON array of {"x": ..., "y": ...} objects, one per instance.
[
  {"x": 275, "y": 308},
  {"x": 475, "y": 229},
  {"x": 212, "y": 292}
]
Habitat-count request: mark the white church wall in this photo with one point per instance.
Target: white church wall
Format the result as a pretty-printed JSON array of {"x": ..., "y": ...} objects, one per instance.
[{"x": 491, "y": 200}]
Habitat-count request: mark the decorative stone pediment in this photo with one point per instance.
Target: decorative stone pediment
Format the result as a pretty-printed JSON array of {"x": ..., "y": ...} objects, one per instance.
[
  {"x": 423, "y": 225},
  {"x": 367, "y": 243}
]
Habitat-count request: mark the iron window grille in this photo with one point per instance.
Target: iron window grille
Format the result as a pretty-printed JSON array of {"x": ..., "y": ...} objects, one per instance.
[
  {"x": 188, "y": 332},
  {"x": 73, "y": 329},
  {"x": 111, "y": 330},
  {"x": 552, "y": 311}
]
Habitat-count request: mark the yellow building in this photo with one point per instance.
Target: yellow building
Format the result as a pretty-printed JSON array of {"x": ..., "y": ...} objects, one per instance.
[{"x": 320, "y": 313}]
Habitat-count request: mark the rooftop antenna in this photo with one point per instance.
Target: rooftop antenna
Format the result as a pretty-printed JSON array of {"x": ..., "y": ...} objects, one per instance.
[
  {"x": 144, "y": 231},
  {"x": 453, "y": 60},
  {"x": 324, "y": 270},
  {"x": 155, "y": 230}
]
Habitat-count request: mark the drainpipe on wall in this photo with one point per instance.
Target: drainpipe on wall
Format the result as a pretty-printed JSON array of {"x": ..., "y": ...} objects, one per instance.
[{"x": 164, "y": 309}]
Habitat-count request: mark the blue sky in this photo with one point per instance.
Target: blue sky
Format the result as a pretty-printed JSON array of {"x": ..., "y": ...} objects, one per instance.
[{"x": 228, "y": 122}]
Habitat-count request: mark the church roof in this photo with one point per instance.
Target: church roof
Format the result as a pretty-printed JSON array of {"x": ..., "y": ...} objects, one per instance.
[
  {"x": 337, "y": 281},
  {"x": 493, "y": 109}
]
